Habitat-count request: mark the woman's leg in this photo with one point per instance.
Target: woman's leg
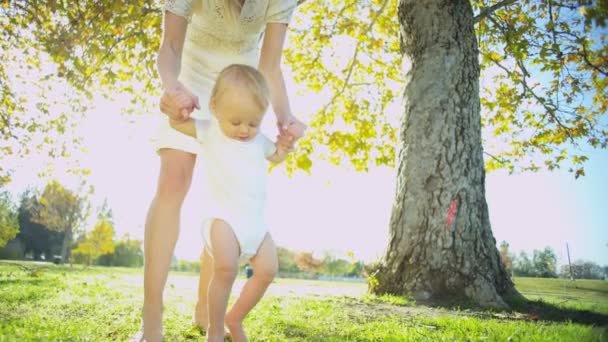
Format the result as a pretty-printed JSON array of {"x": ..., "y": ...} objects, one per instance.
[
  {"x": 265, "y": 266},
  {"x": 161, "y": 231},
  {"x": 225, "y": 252}
]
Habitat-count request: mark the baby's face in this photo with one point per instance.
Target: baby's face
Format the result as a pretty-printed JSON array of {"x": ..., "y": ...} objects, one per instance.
[{"x": 238, "y": 114}]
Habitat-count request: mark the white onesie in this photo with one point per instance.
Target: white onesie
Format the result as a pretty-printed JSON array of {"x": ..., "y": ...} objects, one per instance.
[{"x": 235, "y": 173}]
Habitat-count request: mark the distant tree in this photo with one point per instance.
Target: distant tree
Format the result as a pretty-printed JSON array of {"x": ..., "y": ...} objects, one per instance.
[
  {"x": 335, "y": 266},
  {"x": 104, "y": 212},
  {"x": 9, "y": 224},
  {"x": 186, "y": 266},
  {"x": 287, "y": 262},
  {"x": 356, "y": 269},
  {"x": 505, "y": 257},
  {"x": 97, "y": 242},
  {"x": 583, "y": 269},
  {"x": 545, "y": 263},
  {"x": 36, "y": 238},
  {"x": 61, "y": 210},
  {"x": 127, "y": 253},
  {"x": 306, "y": 262},
  {"x": 13, "y": 250},
  {"x": 523, "y": 267}
]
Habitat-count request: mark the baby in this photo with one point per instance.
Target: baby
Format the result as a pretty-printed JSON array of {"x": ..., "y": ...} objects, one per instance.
[{"x": 235, "y": 155}]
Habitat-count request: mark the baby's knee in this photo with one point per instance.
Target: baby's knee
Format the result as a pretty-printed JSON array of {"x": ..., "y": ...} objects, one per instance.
[
  {"x": 266, "y": 273},
  {"x": 225, "y": 271}
]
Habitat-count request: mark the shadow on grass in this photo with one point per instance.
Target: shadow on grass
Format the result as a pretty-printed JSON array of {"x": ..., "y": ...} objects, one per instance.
[
  {"x": 582, "y": 287},
  {"x": 526, "y": 310},
  {"x": 302, "y": 333},
  {"x": 540, "y": 310}
]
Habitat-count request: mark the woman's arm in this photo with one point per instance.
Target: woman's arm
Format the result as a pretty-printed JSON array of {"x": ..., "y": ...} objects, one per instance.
[
  {"x": 171, "y": 47},
  {"x": 270, "y": 67},
  {"x": 169, "y": 65}
]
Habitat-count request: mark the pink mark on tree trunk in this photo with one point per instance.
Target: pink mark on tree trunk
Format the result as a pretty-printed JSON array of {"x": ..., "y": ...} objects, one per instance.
[{"x": 452, "y": 211}]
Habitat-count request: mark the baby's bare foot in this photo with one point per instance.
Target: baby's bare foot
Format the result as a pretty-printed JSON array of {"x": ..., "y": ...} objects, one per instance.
[
  {"x": 202, "y": 323},
  {"x": 214, "y": 338},
  {"x": 148, "y": 336},
  {"x": 237, "y": 333}
]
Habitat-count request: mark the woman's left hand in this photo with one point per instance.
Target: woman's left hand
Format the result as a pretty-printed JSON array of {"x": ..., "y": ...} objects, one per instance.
[{"x": 290, "y": 130}]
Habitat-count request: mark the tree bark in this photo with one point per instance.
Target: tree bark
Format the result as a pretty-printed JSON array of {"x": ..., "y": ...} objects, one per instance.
[
  {"x": 67, "y": 240},
  {"x": 440, "y": 241}
]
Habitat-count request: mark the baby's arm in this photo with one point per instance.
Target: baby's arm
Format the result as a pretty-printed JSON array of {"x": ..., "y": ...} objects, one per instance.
[
  {"x": 187, "y": 127},
  {"x": 281, "y": 149},
  {"x": 279, "y": 155}
]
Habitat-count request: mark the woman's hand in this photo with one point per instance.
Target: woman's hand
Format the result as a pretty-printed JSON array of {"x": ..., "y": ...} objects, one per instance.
[
  {"x": 290, "y": 130},
  {"x": 178, "y": 102}
]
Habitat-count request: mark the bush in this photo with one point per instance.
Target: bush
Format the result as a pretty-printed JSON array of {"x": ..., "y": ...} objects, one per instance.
[
  {"x": 127, "y": 253},
  {"x": 186, "y": 266},
  {"x": 13, "y": 250}
]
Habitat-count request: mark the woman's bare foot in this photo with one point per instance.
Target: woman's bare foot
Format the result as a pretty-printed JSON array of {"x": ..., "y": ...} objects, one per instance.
[
  {"x": 235, "y": 326},
  {"x": 152, "y": 326}
]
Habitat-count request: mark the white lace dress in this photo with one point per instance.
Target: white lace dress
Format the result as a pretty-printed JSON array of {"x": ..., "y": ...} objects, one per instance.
[{"x": 212, "y": 43}]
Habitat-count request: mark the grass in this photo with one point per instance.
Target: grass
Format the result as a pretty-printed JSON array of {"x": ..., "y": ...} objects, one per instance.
[
  {"x": 579, "y": 294},
  {"x": 102, "y": 304}
]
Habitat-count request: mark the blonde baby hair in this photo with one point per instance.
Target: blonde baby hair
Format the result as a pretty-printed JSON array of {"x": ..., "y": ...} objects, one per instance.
[{"x": 244, "y": 76}]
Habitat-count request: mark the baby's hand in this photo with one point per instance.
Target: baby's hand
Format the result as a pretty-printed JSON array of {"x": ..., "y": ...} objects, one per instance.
[
  {"x": 285, "y": 142},
  {"x": 178, "y": 103},
  {"x": 288, "y": 136}
]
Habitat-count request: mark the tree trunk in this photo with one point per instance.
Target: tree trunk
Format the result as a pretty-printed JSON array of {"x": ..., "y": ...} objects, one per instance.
[
  {"x": 67, "y": 239},
  {"x": 441, "y": 244}
]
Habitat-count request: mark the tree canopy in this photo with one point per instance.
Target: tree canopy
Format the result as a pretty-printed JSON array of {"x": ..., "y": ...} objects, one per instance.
[
  {"x": 97, "y": 242},
  {"x": 544, "y": 67},
  {"x": 9, "y": 225}
]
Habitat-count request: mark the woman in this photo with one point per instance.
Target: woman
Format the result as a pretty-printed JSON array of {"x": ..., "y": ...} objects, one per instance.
[{"x": 200, "y": 38}]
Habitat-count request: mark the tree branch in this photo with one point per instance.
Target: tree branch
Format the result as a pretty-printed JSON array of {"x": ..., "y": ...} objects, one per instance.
[
  {"x": 502, "y": 161},
  {"x": 585, "y": 56},
  {"x": 549, "y": 108},
  {"x": 354, "y": 58},
  {"x": 486, "y": 11}
]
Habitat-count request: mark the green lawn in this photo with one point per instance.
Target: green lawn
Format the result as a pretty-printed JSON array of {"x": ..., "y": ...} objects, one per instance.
[
  {"x": 579, "y": 294},
  {"x": 102, "y": 304}
]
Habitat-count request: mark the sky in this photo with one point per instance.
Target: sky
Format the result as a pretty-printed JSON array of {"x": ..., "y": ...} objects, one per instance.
[{"x": 335, "y": 209}]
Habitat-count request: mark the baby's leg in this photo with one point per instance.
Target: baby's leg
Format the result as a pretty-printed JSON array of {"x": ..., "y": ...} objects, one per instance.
[
  {"x": 225, "y": 252},
  {"x": 265, "y": 266},
  {"x": 201, "y": 317}
]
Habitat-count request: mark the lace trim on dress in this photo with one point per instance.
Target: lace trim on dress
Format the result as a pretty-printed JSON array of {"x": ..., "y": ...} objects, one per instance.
[
  {"x": 228, "y": 43},
  {"x": 171, "y": 6},
  {"x": 251, "y": 12}
]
